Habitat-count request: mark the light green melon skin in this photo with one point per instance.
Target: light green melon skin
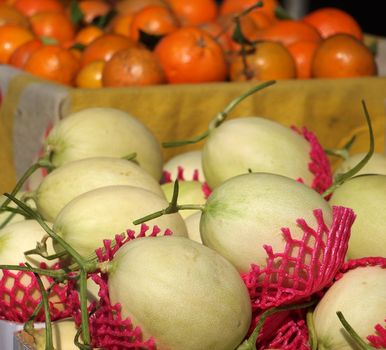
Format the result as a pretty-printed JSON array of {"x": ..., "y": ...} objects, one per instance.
[
  {"x": 193, "y": 226},
  {"x": 63, "y": 335},
  {"x": 180, "y": 292},
  {"x": 189, "y": 161},
  {"x": 18, "y": 237},
  {"x": 74, "y": 178},
  {"x": 376, "y": 164},
  {"x": 109, "y": 132},
  {"x": 248, "y": 211},
  {"x": 258, "y": 144},
  {"x": 366, "y": 195},
  {"x": 104, "y": 212},
  {"x": 190, "y": 192},
  {"x": 361, "y": 296}
]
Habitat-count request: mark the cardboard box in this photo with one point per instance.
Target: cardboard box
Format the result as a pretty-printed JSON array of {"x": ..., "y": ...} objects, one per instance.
[{"x": 331, "y": 108}]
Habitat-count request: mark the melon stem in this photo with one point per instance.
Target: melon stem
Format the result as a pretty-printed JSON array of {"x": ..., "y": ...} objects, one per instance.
[
  {"x": 47, "y": 316},
  {"x": 343, "y": 152},
  {"x": 220, "y": 117},
  {"x": 354, "y": 335},
  {"x": 341, "y": 178},
  {"x": 171, "y": 209},
  {"x": 84, "y": 266},
  {"x": 313, "y": 339},
  {"x": 41, "y": 163}
]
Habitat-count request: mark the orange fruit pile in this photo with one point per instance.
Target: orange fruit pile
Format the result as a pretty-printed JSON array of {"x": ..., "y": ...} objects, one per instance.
[{"x": 92, "y": 43}]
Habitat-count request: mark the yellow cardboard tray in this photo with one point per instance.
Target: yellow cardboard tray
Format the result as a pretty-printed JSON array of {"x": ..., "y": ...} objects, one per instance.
[{"x": 331, "y": 108}]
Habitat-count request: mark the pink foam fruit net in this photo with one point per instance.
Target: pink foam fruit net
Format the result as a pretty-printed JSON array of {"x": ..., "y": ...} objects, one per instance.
[
  {"x": 305, "y": 267},
  {"x": 107, "y": 327},
  {"x": 319, "y": 164},
  {"x": 167, "y": 178},
  {"x": 378, "y": 339},
  {"x": 20, "y": 295}
]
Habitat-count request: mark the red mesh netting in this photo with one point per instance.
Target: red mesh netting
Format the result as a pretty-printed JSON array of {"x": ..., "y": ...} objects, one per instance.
[
  {"x": 305, "y": 266},
  {"x": 107, "y": 328},
  {"x": 167, "y": 178},
  {"x": 292, "y": 334},
  {"x": 319, "y": 164},
  {"x": 20, "y": 295},
  {"x": 378, "y": 340}
]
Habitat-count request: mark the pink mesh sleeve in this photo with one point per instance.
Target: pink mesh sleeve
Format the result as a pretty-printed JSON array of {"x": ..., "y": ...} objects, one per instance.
[{"x": 20, "y": 295}]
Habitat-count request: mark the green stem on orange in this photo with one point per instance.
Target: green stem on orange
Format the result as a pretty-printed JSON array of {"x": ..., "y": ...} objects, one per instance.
[
  {"x": 282, "y": 13},
  {"x": 354, "y": 335},
  {"x": 76, "y": 14},
  {"x": 341, "y": 178},
  {"x": 220, "y": 117}
]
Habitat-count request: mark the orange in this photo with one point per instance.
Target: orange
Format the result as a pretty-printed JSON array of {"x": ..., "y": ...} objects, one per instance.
[
  {"x": 54, "y": 25},
  {"x": 343, "y": 56},
  {"x": 11, "y": 37},
  {"x": 216, "y": 31},
  {"x": 329, "y": 21},
  {"x": 153, "y": 20},
  {"x": 270, "y": 60},
  {"x": 92, "y": 9},
  {"x": 121, "y": 24},
  {"x": 10, "y": 15},
  {"x": 133, "y": 6},
  {"x": 193, "y": 12},
  {"x": 133, "y": 66},
  {"x": 103, "y": 47},
  {"x": 31, "y": 7},
  {"x": 190, "y": 55},
  {"x": 250, "y": 26},
  {"x": 54, "y": 63},
  {"x": 21, "y": 55},
  {"x": 88, "y": 34},
  {"x": 303, "y": 53},
  {"x": 237, "y": 6},
  {"x": 288, "y": 32},
  {"x": 261, "y": 19},
  {"x": 90, "y": 75}
]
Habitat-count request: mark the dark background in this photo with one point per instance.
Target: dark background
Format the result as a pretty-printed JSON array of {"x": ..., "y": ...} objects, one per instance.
[{"x": 370, "y": 14}]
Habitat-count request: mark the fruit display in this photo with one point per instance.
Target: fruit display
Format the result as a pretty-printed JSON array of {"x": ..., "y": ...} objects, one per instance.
[
  {"x": 252, "y": 241},
  {"x": 190, "y": 175},
  {"x": 102, "y": 43}
]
